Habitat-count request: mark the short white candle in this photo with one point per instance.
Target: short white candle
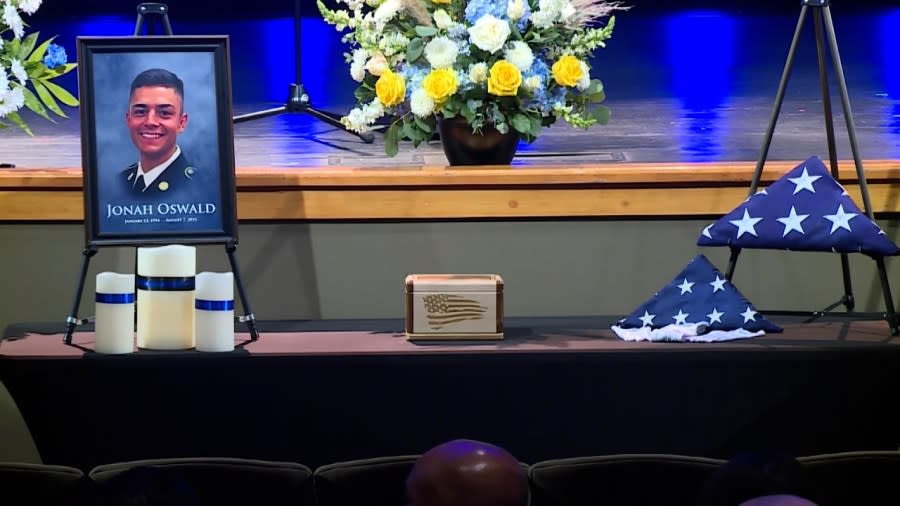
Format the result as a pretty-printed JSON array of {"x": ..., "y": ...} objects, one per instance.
[
  {"x": 214, "y": 311},
  {"x": 114, "y": 313},
  {"x": 165, "y": 317}
]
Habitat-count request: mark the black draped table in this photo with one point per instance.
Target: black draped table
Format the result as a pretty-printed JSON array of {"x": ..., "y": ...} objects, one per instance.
[{"x": 317, "y": 392}]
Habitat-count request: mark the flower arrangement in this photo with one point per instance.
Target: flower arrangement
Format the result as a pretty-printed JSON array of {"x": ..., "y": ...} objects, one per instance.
[
  {"x": 509, "y": 64},
  {"x": 27, "y": 69}
]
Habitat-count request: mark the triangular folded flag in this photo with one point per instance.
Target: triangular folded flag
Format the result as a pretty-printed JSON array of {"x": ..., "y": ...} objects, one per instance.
[
  {"x": 699, "y": 304},
  {"x": 804, "y": 210}
]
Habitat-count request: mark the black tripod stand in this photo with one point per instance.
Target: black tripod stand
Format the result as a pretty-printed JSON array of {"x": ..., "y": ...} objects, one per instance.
[
  {"x": 298, "y": 100},
  {"x": 824, "y": 33}
]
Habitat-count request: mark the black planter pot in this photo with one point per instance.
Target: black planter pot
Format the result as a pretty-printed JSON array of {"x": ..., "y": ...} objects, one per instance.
[{"x": 463, "y": 147}]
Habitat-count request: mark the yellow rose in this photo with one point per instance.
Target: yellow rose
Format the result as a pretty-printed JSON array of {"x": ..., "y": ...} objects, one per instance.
[
  {"x": 566, "y": 71},
  {"x": 390, "y": 88},
  {"x": 439, "y": 85},
  {"x": 504, "y": 79}
]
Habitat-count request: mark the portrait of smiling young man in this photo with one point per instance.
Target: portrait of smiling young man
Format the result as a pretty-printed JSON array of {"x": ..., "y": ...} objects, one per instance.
[{"x": 155, "y": 117}]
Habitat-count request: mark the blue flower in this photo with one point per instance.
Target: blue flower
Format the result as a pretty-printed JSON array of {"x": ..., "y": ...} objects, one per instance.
[
  {"x": 55, "y": 56},
  {"x": 478, "y": 8}
]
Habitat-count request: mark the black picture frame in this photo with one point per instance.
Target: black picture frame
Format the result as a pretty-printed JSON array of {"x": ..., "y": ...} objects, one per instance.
[{"x": 193, "y": 200}]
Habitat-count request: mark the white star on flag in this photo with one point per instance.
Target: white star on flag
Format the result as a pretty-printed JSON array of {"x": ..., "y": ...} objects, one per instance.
[
  {"x": 840, "y": 219},
  {"x": 647, "y": 319},
  {"x": 715, "y": 316},
  {"x": 718, "y": 284},
  {"x": 746, "y": 224},
  {"x": 681, "y": 317},
  {"x": 685, "y": 287},
  {"x": 706, "y": 231},
  {"x": 804, "y": 182},
  {"x": 793, "y": 222},
  {"x": 749, "y": 315}
]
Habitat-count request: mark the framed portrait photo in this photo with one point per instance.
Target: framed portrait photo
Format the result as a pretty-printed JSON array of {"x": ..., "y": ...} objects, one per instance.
[{"x": 157, "y": 140}]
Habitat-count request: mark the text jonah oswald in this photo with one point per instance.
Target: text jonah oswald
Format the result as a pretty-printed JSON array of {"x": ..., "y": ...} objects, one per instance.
[{"x": 162, "y": 209}]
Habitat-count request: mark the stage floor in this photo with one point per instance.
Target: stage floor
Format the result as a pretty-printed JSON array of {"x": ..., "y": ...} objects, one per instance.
[{"x": 683, "y": 87}]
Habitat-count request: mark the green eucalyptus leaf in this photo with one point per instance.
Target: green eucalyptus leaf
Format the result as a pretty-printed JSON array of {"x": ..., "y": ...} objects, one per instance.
[
  {"x": 415, "y": 49},
  {"x": 600, "y": 113},
  {"x": 426, "y": 31},
  {"x": 392, "y": 139},
  {"x": 61, "y": 93},
  {"x": 38, "y": 54},
  {"x": 17, "y": 120},
  {"x": 364, "y": 94},
  {"x": 423, "y": 125},
  {"x": 47, "y": 98},
  {"x": 32, "y": 103},
  {"x": 27, "y": 46},
  {"x": 521, "y": 123}
]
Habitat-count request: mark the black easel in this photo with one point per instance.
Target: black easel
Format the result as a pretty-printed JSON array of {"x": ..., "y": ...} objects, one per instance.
[
  {"x": 161, "y": 11},
  {"x": 824, "y": 32},
  {"x": 298, "y": 100}
]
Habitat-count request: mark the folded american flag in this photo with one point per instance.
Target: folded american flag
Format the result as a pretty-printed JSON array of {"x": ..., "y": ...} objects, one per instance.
[
  {"x": 804, "y": 210},
  {"x": 697, "y": 305}
]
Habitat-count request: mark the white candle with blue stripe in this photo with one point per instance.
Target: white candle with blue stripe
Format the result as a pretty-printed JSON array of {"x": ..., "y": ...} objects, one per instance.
[
  {"x": 214, "y": 311},
  {"x": 114, "y": 313},
  {"x": 165, "y": 297}
]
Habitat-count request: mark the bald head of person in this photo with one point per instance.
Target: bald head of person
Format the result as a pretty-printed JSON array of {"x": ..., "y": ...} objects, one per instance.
[
  {"x": 467, "y": 473},
  {"x": 778, "y": 500}
]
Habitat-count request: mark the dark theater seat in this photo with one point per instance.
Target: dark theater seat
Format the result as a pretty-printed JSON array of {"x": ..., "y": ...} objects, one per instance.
[
  {"x": 622, "y": 480},
  {"x": 210, "y": 480}
]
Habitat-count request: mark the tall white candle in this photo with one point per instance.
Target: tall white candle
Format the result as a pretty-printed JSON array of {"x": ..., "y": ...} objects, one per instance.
[
  {"x": 214, "y": 311},
  {"x": 114, "y": 313},
  {"x": 165, "y": 297}
]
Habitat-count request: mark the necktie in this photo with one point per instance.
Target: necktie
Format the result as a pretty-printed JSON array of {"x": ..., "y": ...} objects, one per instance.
[{"x": 139, "y": 182}]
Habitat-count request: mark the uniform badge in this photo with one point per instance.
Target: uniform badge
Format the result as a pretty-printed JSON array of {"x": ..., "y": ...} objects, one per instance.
[
  {"x": 189, "y": 172},
  {"x": 164, "y": 186}
]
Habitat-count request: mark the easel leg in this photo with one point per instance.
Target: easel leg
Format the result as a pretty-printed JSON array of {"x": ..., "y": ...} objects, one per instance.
[
  {"x": 73, "y": 320},
  {"x": 818, "y": 22},
  {"x": 779, "y": 100},
  {"x": 248, "y": 318},
  {"x": 892, "y": 317}
]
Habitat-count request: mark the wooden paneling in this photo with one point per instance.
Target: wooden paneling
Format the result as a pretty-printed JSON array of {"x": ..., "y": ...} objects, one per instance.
[{"x": 358, "y": 193}]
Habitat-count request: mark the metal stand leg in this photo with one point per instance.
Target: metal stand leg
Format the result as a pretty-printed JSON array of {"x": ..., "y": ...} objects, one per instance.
[
  {"x": 248, "y": 318},
  {"x": 72, "y": 321},
  {"x": 824, "y": 32}
]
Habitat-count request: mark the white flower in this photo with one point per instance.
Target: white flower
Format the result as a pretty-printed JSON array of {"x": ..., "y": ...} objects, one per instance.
[
  {"x": 4, "y": 81},
  {"x": 372, "y": 111},
  {"x": 442, "y": 20},
  {"x": 13, "y": 21},
  {"x": 393, "y": 43},
  {"x": 515, "y": 9},
  {"x": 11, "y": 101},
  {"x": 420, "y": 103},
  {"x": 355, "y": 121},
  {"x": 489, "y": 33},
  {"x": 478, "y": 73},
  {"x": 29, "y": 6},
  {"x": 18, "y": 71},
  {"x": 441, "y": 52},
  {"x": 376, "y": 64},
  {"x": 532, "y": 83},
  {"x": 519, "y": 54},
  {"x": 358, "y": 65},
  {"x": 585, "y": 80},
  {"x": 386, "y": 12}
]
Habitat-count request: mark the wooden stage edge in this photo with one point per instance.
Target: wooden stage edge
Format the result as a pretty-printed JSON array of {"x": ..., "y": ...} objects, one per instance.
[{"x": 620, "y": 190}]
